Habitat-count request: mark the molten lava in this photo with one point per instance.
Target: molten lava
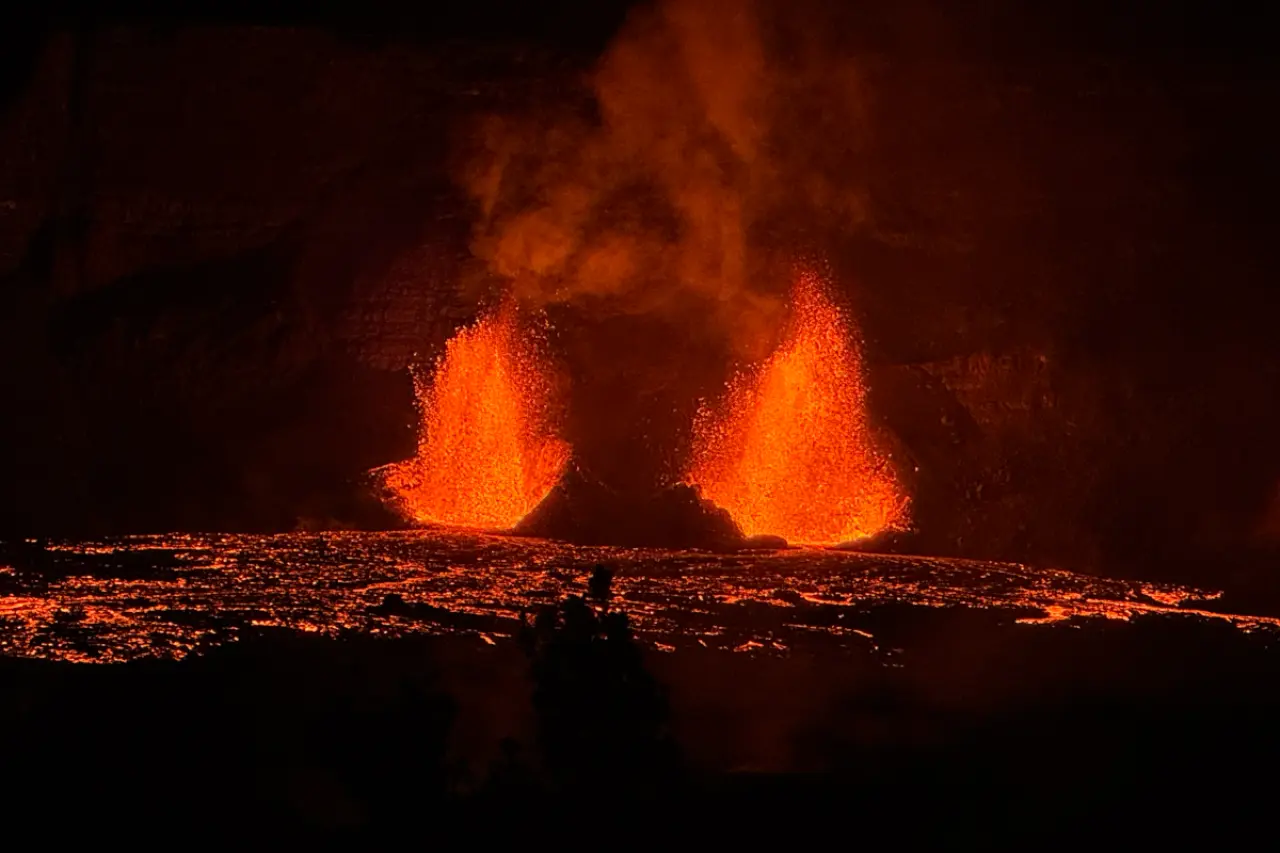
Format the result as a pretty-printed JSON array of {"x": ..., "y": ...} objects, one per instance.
[
  {"x": 486, "y": 455},
  {"x": 790, "y": 452}
]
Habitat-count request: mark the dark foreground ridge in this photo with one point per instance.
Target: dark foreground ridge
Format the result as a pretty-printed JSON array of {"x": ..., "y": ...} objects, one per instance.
[{"x": 972, "y": 727}]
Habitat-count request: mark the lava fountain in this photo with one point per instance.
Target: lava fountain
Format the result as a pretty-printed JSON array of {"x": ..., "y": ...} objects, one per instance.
[
  {"x": 486, "y": 453},
  {"x": 790, "y": 452}
]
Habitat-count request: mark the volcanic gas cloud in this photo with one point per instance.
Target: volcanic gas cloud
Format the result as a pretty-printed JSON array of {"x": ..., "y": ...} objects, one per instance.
[
  {"x": 486, "y": 453},
  {"x": 790, "y": 452}
]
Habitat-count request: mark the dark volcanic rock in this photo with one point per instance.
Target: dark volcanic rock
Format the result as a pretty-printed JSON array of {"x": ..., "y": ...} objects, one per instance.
[
  {"x": 764, "y": 542},
  {"x": 586, "y": 512},
  {"x": 394, "y": 604},
  {"x": 886, "y": 542},
  {"x": 33, "y": 560}
]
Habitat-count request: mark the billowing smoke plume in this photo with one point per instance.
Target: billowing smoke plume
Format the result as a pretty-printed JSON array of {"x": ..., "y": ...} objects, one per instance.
[{"x": 665, "y": 194}]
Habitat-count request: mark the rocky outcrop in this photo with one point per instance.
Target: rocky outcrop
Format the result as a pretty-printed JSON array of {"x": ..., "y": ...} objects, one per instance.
[{"x": 587, "y": 512}]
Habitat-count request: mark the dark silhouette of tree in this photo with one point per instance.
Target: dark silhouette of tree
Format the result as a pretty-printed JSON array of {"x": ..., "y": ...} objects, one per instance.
[{"x": 602, "y": 718}]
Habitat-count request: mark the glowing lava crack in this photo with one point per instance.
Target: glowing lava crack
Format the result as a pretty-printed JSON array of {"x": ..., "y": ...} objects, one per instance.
[
  {"x": 486, "y": 454},
  {"x": 790, "y": 451}
]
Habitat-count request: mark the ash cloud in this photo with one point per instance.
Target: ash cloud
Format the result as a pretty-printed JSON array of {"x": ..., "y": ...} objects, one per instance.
[{"x": 714, "y": 125}]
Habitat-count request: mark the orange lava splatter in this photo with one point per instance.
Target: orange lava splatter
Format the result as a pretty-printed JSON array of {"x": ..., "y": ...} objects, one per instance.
[
  {"x": 486, "y": 455},
  {"x": 790, "y": 453}
]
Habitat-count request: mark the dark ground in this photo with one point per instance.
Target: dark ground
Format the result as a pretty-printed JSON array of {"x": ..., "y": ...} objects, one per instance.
[{"x": 975, "y": 730}]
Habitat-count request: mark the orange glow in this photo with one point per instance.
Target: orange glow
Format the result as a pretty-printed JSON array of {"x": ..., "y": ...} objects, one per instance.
[
  {"x": 790, "y": 452},
  {"x": 486, "y": 455}
]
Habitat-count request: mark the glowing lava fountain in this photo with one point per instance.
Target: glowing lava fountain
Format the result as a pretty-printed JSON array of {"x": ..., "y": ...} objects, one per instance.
[
  {"x": 790, "y": 451},
  {"x": 486, "y": 454}
]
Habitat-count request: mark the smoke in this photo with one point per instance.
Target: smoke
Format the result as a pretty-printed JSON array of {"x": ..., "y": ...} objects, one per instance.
[{"x": 669, "y": 194}]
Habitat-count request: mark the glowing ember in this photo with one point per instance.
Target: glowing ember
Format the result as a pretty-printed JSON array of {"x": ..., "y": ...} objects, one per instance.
[
  {"x": 486, "y": 456},
  {"x": 791, "y": 452}
]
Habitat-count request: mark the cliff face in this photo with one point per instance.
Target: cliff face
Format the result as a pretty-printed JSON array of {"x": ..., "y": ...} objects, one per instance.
[
  {"x": 220, "y": 248},
  {"x": 218, "y": 270}
]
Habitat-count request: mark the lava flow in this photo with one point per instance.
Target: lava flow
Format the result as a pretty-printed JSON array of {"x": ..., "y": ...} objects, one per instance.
[
  {"x": 486, "y": 455},
  {"x": 791, "y": 453}
]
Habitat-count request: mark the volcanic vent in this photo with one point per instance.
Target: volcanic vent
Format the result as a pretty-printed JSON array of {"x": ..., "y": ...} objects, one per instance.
[
  {"x": 790, "y": 452},
  {"x": 486, "y": 451}
]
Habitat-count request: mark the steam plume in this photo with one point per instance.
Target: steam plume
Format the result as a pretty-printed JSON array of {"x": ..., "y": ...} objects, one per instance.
[{"x": 662, "y": 197}]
